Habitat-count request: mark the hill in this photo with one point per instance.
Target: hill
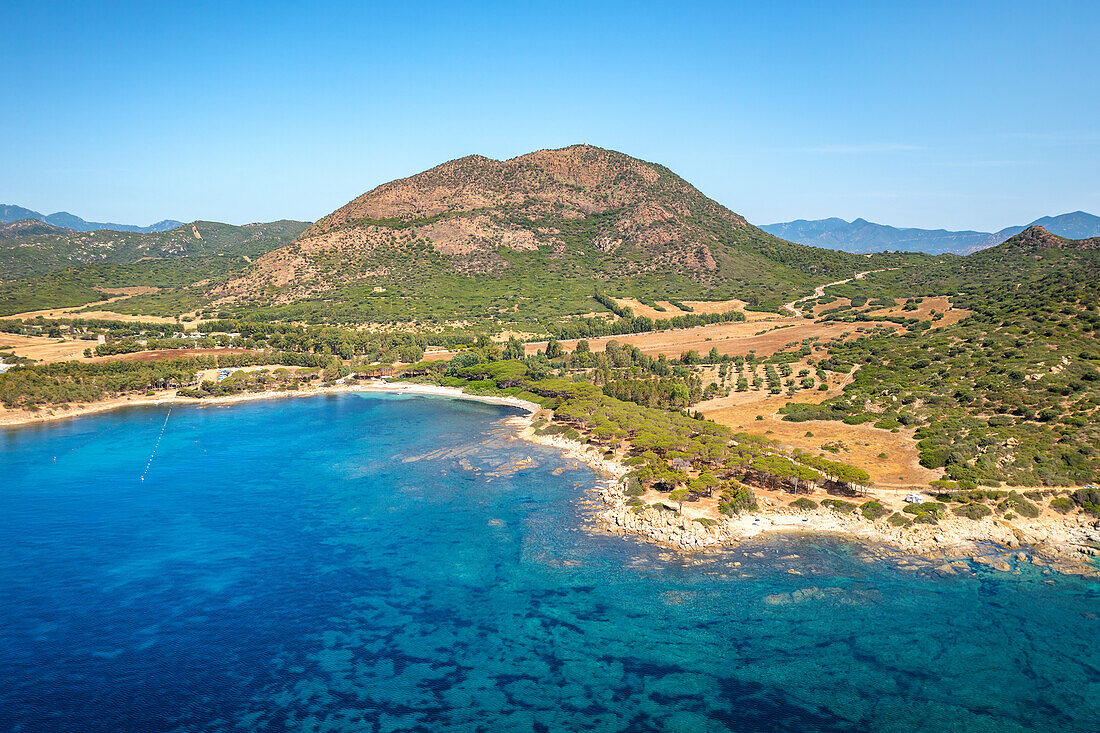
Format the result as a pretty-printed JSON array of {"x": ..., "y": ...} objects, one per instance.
[
  {"x": 1009, "y": 394},
  {"x": 10, "y": 213},
  {"x": 532, "y": 237},
  {"x": 45, "y": 266},
  {"x": 29, "y": 247},
  {"x": 29, "y": 228},
  {"x": 862, "y": 236}
]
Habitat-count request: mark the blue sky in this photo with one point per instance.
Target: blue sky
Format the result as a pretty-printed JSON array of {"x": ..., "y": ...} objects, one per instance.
[{"x": 935, "y": 114}]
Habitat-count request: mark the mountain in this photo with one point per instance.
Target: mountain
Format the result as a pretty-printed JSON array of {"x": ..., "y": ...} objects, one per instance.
[
  {"x": 862, "y": 236},
  {"x": 10, "y": 213},
  {"x": 535, "y": 235}
]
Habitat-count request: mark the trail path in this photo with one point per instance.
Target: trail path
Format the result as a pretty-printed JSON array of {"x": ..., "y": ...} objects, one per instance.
[{"x": 819, "y": 291}]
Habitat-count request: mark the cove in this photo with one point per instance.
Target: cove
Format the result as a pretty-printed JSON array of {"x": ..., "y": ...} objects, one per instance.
[{"x": 387, "y": 562}]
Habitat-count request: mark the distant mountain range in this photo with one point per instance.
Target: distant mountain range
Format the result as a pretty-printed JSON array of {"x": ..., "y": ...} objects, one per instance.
[
  {"x": 10, "y": 213},
  {"x": 862, "y": 236}
]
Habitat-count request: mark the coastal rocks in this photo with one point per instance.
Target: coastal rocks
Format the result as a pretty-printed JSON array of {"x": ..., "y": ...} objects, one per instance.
[
  {"x": 1062, "y": 544},
  {"x": 661, "y": 526}
]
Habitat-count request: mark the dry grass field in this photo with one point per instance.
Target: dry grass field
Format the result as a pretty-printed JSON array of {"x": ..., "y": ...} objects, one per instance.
[
  {"x": 863, "y": 445},
  {"x": 764, "y": 333},
  {"x": 763, "y": 337},
  {"x": 697, "y": 306},
  {"x": 42, "y": 348}
]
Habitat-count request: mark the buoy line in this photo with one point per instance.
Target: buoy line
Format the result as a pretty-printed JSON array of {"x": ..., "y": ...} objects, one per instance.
[{"x": 157, "y": 444}]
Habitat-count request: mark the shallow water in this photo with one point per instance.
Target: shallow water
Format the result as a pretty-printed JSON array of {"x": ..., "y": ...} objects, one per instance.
[{"x": 379, "y": 562}]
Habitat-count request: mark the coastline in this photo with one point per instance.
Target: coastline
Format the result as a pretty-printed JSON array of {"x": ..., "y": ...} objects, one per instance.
[{"x": 1063, "y": 545}]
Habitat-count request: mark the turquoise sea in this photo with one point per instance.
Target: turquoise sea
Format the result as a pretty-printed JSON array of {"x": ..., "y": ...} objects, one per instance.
[{"x": 379, "y": 563}]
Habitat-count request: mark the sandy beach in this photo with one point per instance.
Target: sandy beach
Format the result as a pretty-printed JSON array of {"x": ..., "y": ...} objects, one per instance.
[{"x": 15, "y": 418}]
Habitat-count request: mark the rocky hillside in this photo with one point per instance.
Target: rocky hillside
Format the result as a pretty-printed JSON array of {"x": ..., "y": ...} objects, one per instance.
[
  {"x": 1037, "y": 239},
  {"x": 578, "y": 214}
]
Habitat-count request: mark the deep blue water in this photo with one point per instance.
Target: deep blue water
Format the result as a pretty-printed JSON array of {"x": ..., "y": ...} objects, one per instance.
[{"x": 360, "y": 563}]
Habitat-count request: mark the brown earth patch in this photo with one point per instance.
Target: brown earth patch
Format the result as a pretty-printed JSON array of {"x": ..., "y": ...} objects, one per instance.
[
  {"x": 939, "y": 303},
  {"x": 136, "y": 290},
  {"x": 698, "y": 307}
]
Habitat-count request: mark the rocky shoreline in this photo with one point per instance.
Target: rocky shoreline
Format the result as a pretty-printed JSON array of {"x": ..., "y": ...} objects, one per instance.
[{"x": 1065, "y": 546}]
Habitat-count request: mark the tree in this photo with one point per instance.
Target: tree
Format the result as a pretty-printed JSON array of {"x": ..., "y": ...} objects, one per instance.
[
  {"x": 678, "y": 495},
  {"x": 554, "y": 349},
  {"x": 513, "y": 349}
]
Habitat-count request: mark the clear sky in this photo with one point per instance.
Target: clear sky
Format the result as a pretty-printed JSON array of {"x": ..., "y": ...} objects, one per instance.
[{"x": 935, "y": 114}]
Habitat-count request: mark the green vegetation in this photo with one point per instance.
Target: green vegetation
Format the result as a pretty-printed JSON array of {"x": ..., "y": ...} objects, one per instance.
[
  {"x": 929, "y": 512},
  {"x": 973, "y": 511},
  {"x": 1012, "y": 393},
  {"x": 73, "y": 381},
  {"x": 873, "y": 510},
  {"x": 37, "y": 272},
  {"x": 839, "y": 506}
]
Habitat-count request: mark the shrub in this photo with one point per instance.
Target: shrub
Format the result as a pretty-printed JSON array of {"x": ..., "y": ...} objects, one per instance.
[
  {"x": 873, "y": 510},
  {"x": 841, "y": 507},
  {"x": 1062, "y": 504},
  {"x": 735, "y": 501},
  {"x": 1088, "y": 499},
  {"x": 899, "y": 520},
  {"x": 929, "y": 512},
  {"x": 973, "y": 511},
  {"x": 804, "y": 504},
  {"x": 1016, "y": 503}
]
